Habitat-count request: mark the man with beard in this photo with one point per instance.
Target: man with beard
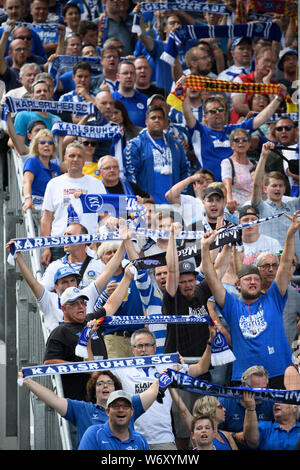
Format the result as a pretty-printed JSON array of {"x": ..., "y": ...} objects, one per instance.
[{"x": 256, "y": 321}]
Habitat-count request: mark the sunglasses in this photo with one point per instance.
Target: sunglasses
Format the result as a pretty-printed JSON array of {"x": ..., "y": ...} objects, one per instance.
[
  {"x": 24, "y": 37},
  {"x": 86, "y": 143},
  {"x": 240, "y": 139},
  {"x": 220, "y": 109},
  {"x": 43, "y": 142},
  {"x": 283, "y": 128}
]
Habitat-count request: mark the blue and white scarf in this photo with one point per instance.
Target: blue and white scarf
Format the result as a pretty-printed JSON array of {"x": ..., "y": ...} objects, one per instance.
[
  {"x": 176, "y": 5},
  {"x": 62, "y": 62},
  {"x": 267, "y": 30},
  {"x": 27, "y": 244},
  {"x": 183, "y": 381},
  {"x": 220, "y": 351},
  {"x": 94, "y": 366},
  {"x": 15, "y": 105}
]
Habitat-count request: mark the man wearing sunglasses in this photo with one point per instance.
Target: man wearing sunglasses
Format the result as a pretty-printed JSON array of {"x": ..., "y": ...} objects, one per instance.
[
  {"x": 211, "y": 140},
  {"x": 286, "y": 133}
]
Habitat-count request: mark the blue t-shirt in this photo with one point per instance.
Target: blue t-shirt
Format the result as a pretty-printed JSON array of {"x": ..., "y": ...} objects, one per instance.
[
  {"x": 42, "y": 175},
  {"x": 84, "y": 414},
  {"x": 235, "y": 413},
  {"x": 257, "y": 333},
  {"x": 24, "y": 117},
  {"x": 211, "y": 147},
  {"x": 101, "y": 438},
  {"x": 273, "y": 437},
  {"x": 136, "y": 106},
  {"x": 162, "y": 165}
]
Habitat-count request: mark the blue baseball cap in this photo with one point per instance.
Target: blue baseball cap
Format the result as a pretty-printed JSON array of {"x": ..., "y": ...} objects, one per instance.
[{"x": 65, "y": 271}]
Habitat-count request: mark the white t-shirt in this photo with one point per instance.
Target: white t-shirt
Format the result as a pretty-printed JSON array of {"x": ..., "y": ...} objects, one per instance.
[
  {"x": 57, "y": 199},
  {"x": 93, "y": 270},
  {"x": 262, "y": 244}
]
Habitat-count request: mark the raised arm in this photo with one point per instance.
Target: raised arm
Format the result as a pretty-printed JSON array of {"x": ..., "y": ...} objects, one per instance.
[
  {"x": 267, "y": 112},
  {"x": 215, "y": 285},
  {"x": 59, "y": 404},
  {"x": 7, "y": 29},
  {"x": 187, "y": 107},
  {"x": 46, "y": 224},
  {"x": 36, "y": 288},
  {"x": 202, "y": 366},
  {"x": 259, "y": 174},
  {"x": 172, "y": 261},
  {"x": 283, "y": 275},
  {"x": 250, "y": 429},
  {"x": 173, "y": 195},
  {"x": 110, "y": 268},
  {"x": 144, "y": 37},
  {"x": 116, "y": 298}
]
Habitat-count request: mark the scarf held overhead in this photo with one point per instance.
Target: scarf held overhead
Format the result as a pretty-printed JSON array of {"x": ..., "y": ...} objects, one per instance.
[
  {"x": 183, "y": 381},
  {"x": 196, "y": 82},
  {"x": 185, "y": 33}
]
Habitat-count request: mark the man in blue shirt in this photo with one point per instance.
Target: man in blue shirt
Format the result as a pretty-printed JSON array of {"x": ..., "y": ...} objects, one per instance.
[
  {"x": 282, "y": 434},
  {"x": 211, "y": 141},
  {"x": 134, "y": 101},
  {"x": 155, "y": 160},
  {"x": 115, "y": 434},
  {"x": 256, "y": 321}
]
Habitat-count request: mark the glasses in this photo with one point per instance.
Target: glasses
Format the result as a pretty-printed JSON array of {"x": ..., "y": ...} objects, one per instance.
[
  {"x": 145, "y": 345},
  {"x": 78, "y": 302},
  {"x": 20, "y": 49},
  {"x": 220, "y": 109},
  {"x": 101, "y": 383},
  {"x": 240, "y": 139},
  {"x": 24, "y": 38},
  {"x": 269, "y": 265},
  {"x": 86, "y": 143},
  {"x": 117, "y": 406},
  {"x": 43, "y": 142},
  {"x": 107, "y": 168},
  {"x": 283, "y": 128}
]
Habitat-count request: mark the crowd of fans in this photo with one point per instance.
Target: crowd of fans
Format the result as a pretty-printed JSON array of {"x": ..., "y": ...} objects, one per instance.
[{"x": 224, "y": 159}]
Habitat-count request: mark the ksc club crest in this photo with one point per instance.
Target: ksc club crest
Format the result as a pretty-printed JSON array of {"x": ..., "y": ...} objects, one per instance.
[{"x": 94, "y": 202}]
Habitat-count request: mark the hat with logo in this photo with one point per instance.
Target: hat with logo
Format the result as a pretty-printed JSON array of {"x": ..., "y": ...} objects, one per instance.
[
  {"x": 116, "y": 395},
  {"x": 236, "y": 41},
  {"x": 187, "y": 266},
  {"x": 71, "y": 294},
  {"x": 65, "y": 271},
  {"x": 211, "y": 190},
  {"x": 248, "y": 210}
]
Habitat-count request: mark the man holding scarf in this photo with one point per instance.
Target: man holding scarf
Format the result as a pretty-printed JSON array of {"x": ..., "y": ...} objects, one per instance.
[
  {"x": 211, "y": 141},
  {"x": 256, "y": 321}
]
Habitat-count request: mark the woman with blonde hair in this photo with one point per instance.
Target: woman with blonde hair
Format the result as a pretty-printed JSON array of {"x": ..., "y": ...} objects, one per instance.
[{"x": 38, "y": 169}]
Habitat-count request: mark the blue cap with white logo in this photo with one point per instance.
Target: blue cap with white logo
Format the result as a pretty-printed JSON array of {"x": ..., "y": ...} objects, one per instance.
[{"x": 65, "y": 271}]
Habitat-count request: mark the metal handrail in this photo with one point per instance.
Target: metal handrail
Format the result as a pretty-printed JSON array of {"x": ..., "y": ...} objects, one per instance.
[{"x": 37, "y": 272}]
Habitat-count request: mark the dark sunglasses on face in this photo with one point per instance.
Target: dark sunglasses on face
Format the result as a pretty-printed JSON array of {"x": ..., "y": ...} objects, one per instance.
[
  {"x": 214, "y": 110},
  {"x": 24, "y": 37},
  {"x": 86, "y": 143},
  {"x": 43, "y": 142},
  {"x": 240, "y": 139},
  {"x": 283, "y": 128}
]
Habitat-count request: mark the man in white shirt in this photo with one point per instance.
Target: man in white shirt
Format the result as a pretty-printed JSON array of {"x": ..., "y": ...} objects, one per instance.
[
  {"x": 241, "y": 51},
  {"x": 58, "y": 196}
]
